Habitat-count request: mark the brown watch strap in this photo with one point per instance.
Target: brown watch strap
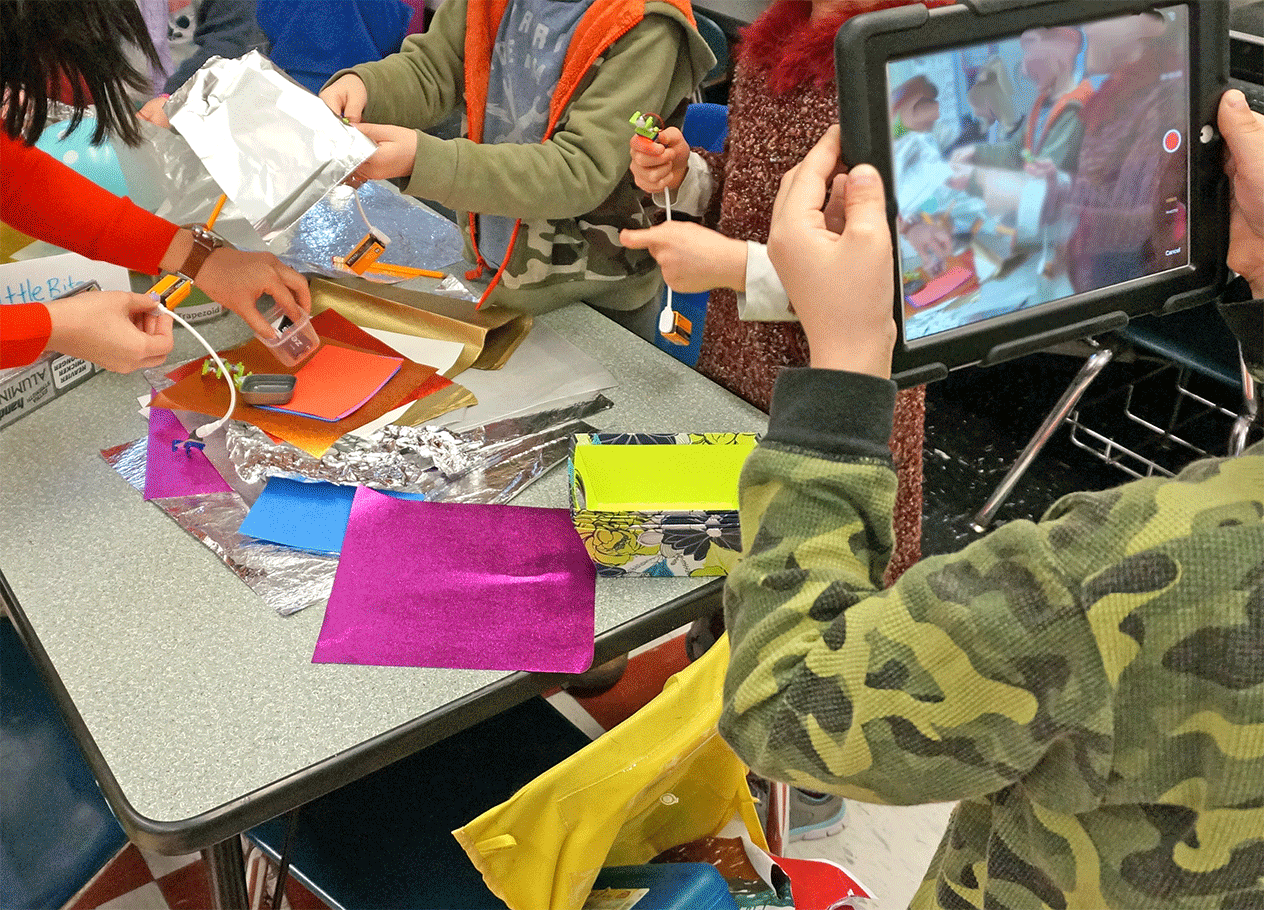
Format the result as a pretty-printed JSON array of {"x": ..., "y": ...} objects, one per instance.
[{"x": 204, "y": 243}]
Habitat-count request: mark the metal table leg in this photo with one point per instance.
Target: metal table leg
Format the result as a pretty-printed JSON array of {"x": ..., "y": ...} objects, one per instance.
[
  {"x": 1094, "y": 365},
  {"x": 227, "y": 869},
  {"x": 777, "y": 828}
]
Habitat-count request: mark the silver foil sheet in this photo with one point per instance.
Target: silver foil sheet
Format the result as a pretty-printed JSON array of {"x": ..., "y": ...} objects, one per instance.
[
  {"x": 287, "y": 580},
  {"x": 489, "y": 464},
  {"x": 486, "y": 464},
  {"x": 272, "y": 146},
  {"x": 419, "y": 236},
  {"x": 165, "y": 176}
]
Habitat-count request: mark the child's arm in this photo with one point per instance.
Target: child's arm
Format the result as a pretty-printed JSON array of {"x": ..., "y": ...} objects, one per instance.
[
  {"x": 417, "y": 87},
  {"x": 580, "y": 165}
]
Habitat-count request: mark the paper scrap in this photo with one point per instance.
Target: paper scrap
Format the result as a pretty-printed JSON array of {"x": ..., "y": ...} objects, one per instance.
[{"x": 306, "y": 515}]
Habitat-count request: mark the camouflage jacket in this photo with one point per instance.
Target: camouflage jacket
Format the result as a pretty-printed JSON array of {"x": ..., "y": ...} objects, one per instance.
[
  {"x": 573, "y": 192},
  {"x": 1090, "y": 688}
]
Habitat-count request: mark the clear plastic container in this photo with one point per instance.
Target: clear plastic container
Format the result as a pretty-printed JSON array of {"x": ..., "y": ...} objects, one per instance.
[{"x": 295, "y": 341}]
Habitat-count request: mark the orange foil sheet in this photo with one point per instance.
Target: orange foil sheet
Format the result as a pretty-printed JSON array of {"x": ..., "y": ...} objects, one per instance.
[{"x": 209, "y": 394}]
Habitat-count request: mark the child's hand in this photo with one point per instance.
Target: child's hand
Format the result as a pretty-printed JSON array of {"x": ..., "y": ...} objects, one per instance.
[
  {"x": 693, "y": 258},
  {"x": 347, "y": 97},
  {"x": 841, "y": 286},
  {"x": 1243, "y": 132},
  {"x": 658, "y": 166},
  {"x": 153, "y": 112},
  {"x": 396, "y": 151},
  {"x": 118, "y": 330}
]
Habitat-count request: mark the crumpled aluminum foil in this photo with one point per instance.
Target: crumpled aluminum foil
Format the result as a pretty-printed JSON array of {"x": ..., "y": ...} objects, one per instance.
[
  {"x": 488, "y": 461},
  {"x": 272, "y": 146},
  {"x": 490, "y": 464}
]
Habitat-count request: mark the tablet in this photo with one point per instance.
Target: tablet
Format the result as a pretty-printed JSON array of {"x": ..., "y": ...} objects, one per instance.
[{"x": 1052, "y": 167}]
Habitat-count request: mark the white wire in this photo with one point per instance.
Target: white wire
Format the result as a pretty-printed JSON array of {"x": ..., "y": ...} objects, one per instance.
[
  {"x": 360, "y": 206},
  {"x": 207, "y": 428},
  {"x": 667, "y": 319}
]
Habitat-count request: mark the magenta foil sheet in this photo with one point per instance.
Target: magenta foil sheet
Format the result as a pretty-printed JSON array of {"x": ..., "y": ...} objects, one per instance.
[
  {"x": 182, "y": 471},
  {"x": 462, "y": 586}
]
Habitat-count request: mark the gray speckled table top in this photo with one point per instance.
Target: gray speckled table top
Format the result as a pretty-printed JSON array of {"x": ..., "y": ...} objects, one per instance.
[{"x": 200, "y": 698}]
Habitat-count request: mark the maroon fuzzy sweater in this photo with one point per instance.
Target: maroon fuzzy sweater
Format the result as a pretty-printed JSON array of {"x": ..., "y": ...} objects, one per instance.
[{"x": 781, "y": 100}]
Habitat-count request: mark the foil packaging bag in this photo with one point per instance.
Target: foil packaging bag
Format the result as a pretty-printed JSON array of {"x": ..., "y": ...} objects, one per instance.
[{"x": 272, "y": 146}]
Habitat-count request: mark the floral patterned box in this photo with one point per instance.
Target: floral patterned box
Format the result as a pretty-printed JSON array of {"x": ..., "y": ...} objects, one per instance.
[{"x": 649, "y": 504}]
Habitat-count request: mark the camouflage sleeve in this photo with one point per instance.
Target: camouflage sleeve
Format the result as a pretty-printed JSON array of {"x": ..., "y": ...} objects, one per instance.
[{"x": 951, "y": 684}]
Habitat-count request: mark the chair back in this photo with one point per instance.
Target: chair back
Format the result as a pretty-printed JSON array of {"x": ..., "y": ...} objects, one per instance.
[
  {"x": 706, "y": 126},
  {"x": 56, "y": 831}
]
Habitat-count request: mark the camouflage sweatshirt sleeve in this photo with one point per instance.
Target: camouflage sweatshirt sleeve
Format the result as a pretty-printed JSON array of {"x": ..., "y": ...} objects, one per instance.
[{"x": 951, "y": 684}]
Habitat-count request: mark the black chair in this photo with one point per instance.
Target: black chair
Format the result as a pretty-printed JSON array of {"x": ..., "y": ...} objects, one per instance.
[
  {"x": 385, "y": 841},
  {"x": 1192, "y": 342},
  {"x": 56, "y": 831}
]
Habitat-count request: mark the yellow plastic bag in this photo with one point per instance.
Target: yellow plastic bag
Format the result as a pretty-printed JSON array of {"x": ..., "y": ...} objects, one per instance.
[{"x": 661, "y": 778}]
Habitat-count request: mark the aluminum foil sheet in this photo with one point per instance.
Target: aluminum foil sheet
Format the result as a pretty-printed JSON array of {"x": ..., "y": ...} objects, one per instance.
[
  {"x": 272, "y": 146},
  {"x": 489, "y": 461},
  {"x": 420, "y": 237},
  {"x": 165, "y": 176},
  {"x": 287, "y": 580},
  {"x": 489, "y": 464}
]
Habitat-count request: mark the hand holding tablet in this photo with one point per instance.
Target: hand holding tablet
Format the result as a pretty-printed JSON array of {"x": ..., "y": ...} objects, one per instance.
[{"x": 1101, "y": 198}]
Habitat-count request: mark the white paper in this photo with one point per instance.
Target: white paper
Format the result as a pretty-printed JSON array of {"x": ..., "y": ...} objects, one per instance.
[
  {"x": 432, "y": 352},
  {"x": 545, "y": 372}
]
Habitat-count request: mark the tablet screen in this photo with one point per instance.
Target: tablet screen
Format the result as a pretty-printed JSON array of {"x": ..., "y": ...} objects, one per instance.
[{"x": 1031, "y": 170}]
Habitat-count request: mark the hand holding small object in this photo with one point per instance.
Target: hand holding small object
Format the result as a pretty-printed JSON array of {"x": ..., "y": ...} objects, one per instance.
[
  {"x": 396, "y": 151},
  {"x": 346, "y": 97},
  {"x": 659, "y": 164},
  {"x": 693, "y": 258},
  {"x": 117, "y": 330}
]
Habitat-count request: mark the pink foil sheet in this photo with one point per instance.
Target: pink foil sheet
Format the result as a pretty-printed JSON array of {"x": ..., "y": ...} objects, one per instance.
[
  {"x": 463, "y": 586},
  {"x": 183, "y": 472}
]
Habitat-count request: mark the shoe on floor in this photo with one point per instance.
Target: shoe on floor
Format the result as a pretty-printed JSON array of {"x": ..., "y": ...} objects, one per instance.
[{"x": 812, "y": 815}]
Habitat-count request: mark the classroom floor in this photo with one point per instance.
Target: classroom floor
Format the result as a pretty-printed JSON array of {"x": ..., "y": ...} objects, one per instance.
[{"x": 976, "y": 423}]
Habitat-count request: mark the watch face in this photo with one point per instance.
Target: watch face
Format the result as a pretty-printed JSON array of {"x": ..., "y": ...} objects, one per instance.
[{"x": 206, "y": 238}]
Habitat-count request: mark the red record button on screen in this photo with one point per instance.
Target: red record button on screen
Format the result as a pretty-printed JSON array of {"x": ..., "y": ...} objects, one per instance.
[{"x": 1172, "y": 141}]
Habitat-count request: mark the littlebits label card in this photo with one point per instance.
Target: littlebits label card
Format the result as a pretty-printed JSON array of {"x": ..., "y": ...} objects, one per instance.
[{"x": 24, "y": 389}]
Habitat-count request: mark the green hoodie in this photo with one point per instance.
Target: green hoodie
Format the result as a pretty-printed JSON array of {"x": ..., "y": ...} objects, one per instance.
[{"x": 573, "y": 192}]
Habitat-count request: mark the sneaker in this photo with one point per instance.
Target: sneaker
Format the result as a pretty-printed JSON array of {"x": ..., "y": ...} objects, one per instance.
[{"x": 812, "y": 815}]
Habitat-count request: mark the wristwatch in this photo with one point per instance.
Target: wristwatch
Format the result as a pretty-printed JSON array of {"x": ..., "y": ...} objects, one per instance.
[{"x": 204, "y": 243}]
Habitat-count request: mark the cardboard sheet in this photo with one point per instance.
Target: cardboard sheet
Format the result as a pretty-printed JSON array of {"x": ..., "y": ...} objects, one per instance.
[{"x": 435, "y": 584}]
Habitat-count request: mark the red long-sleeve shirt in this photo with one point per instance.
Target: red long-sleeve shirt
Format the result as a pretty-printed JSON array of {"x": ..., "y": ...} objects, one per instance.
[{"x": 45, "y": 199}]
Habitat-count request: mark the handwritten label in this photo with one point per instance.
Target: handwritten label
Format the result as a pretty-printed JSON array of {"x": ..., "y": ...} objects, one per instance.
[{"x": 40, "y": 280}]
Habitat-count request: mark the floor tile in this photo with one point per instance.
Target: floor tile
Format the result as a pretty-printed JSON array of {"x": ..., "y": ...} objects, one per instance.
[
  {"x": 126, "y": 872},
  {"x": 187, "y": 888},
  {"x": 887, "y": 848},
  {"x": 147, "y": 897},
  {"x": 161, "y": 865}
]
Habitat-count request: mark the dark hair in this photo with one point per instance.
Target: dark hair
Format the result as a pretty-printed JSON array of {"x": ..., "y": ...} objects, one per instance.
[{"x": 83, "y": 42}]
